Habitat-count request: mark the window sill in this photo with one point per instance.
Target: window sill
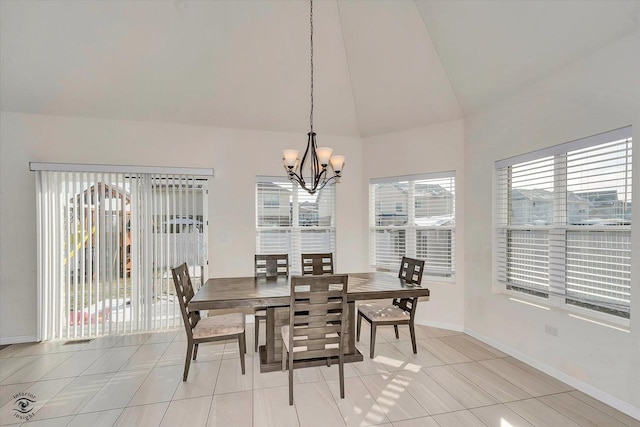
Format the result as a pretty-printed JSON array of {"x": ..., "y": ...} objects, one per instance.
[{"x": 574, "y": 312}]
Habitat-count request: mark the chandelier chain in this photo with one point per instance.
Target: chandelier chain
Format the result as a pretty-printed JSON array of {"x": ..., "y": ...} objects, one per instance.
[
  {"x": 311, "y": 39},
  {"x": 315, "y": 161}
]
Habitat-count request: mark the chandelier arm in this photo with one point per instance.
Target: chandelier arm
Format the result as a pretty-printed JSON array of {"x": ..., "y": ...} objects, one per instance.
[
  {"x": 325, "y": 182},
  {"x": 315, "y": 163},
  {"x": 311, "y": 146},
  {"x": 318, "y": 185}
]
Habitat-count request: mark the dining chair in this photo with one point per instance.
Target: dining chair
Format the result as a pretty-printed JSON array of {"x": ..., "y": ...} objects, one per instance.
[
  {"x": 317, "y": 323},
  {"x": 316, "y": 264},
  {"x": 402, "y": 311},
  {"x": 205, "y": 329},
  {"x": 268, "y": 266}
]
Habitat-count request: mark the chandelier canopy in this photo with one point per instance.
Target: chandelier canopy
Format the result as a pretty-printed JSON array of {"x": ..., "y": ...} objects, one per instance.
[{"x": 317, "y": 160}]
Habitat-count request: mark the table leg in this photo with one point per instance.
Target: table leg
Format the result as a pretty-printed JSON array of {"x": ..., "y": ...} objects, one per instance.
[
  {"x": 270, "y": 330},
  {"x": 277, "y": 317},
  {"x": 351, "y": 329}
]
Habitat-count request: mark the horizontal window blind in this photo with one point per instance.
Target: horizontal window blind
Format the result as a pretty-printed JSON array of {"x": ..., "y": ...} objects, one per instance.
[
  {"x": 413, "y": 216},
  {"x": 290, "y": 220},
  {"x": 564, "y": 223},
  {"x": 106, "y": 244}
]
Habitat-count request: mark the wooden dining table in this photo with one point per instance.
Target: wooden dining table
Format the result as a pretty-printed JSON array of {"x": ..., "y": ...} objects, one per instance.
[{"x": 274, "y": 294}]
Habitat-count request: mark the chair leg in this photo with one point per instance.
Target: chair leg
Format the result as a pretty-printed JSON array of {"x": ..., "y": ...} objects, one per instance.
[
  {"x": 195, "y": 351},
  {"x": 359, "y": 326},
  {"x": 242, "y": 348},
  {"x": 187, "y": 362},
  {"x": 373, "y": 339},
  {"x": 341, "y": 373},
  {"x": 257, "y": 331},
  {"x": 412, "y": 330},
  {"x": 284, "y": 358},
  {"x": 395, "y": 327},
  {"x": 291, "y": 379},
  {"x": 244, "y": 343}
]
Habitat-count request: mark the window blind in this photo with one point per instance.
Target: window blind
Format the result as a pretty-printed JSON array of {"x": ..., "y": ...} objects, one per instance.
[
  {"x": 106, "y": 244},
  {"x": 564, "y": 223},
  {"x": 413, "y": 216},
  {"x": 290, "y": 220}
]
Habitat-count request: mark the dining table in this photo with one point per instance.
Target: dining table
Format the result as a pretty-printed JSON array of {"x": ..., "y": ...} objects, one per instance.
[{"x": 274, "y": 294}]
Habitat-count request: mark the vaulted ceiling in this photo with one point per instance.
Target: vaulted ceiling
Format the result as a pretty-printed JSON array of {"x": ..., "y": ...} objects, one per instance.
[{"x": 380, "y": 65}]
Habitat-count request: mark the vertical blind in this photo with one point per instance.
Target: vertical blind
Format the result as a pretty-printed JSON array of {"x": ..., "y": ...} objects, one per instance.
[
  {"x": 106, "y": 244},
  {"x": 413, "y": 216},
  {"x": 291, "y": 221},
  {"x": 564, "y": 222}
]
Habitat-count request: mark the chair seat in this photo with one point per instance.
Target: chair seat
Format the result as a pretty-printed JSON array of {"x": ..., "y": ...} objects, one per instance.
[
  {"x": 285, "y": 340},
  {"x": 385, "y": 313},
  {"x": 216, "y": 326}
]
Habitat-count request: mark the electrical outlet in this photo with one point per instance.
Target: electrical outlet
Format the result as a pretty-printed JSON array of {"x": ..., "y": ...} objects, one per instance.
[{"x": 551, "y": 330}]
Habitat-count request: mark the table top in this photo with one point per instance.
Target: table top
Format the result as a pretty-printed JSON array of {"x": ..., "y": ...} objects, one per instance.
[{"x": 232, "y": 292}]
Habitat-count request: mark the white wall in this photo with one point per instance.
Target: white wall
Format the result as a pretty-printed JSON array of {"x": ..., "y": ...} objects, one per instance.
[
  {"x": 593, "y": 95},
  {"x": 596, "y": 94},
  {"x": 434, "y": 148},
  {"x": 236, "y": 155}
]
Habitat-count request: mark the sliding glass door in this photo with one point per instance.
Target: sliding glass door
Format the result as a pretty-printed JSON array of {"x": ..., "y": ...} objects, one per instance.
[{"x": 106, "y": 244}]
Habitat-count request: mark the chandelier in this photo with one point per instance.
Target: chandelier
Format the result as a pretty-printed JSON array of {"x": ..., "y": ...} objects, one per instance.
[{"x": 318, "y": 158}]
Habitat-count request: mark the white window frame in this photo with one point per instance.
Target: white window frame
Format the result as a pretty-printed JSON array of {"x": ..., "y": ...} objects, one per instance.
[
  {"x": 555, "y": 294},
  {"x": 410, "y": 228},
  {"x": 296, "y": 230}
]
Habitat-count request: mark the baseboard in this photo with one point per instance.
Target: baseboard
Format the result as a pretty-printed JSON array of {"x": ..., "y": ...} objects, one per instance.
[
  {"x": 440, "y": 325},
  {"x": 17, "y": 340},
  {"x": 588, "y": 389}
]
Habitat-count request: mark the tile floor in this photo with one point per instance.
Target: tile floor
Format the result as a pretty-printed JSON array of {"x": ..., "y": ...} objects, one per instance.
[{"x": 454, "y": 380}]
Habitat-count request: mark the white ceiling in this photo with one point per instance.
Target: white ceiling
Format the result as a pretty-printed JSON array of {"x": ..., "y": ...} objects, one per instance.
[{"x": 380, "y": 65}]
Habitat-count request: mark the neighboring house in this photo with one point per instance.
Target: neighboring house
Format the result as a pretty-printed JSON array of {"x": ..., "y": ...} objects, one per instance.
[
  {"x": 431, "y": 201},
  {"x": 607, "y": 207},
  {"x": 274, "y": 205},
  {"x": 391, "y": 204},
  {"x": 308, "y": 212},
  {"x": 535, "y": 207},
  {"x": 531, "y": 207}
]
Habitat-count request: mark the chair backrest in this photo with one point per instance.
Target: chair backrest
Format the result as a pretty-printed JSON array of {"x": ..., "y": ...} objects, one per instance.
[
  {"x": 407, "y": 304},
  {"x": 185, "y": 292},
  {"x": 411, "y": 270},
  {"x": 317, "y": 264},
  {"x": 271, "y": 265},
  {"x": 317, "y": 316}
]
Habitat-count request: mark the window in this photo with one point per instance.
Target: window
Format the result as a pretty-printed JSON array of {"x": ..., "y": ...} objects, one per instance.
[
  {"x": 290, "y": 220},
  {"x": 564, "y": 223},
  {"x": 413, "y": 216},
  {"x": 272, "y": 200}
]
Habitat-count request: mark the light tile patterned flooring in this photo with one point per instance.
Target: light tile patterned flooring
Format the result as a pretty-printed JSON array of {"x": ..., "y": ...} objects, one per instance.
[{"x": 454, "y": 380}]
